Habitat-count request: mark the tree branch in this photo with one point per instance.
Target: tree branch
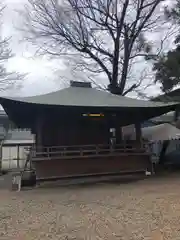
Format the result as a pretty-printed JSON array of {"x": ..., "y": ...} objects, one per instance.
[{"x": 107, "y": 35}]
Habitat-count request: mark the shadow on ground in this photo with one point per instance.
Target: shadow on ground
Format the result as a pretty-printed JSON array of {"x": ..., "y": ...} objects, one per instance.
[
  {"x": 5, "y": 181},
  {"x": 91, "y": 182}
]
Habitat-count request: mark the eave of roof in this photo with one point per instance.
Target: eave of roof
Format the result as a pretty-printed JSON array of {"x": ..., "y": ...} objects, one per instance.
[
  {"x": 86, "y": 97},
  {"x": 25, "y": 111}
]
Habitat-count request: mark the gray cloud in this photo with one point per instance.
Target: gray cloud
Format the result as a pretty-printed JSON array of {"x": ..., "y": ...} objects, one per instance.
[{"x": 41, "y": 78}]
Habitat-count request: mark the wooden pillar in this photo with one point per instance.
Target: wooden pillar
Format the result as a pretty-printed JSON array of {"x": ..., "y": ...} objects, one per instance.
[
  {"x": 18, "y": 157},
  {"x": 119, "y": 134},
  {"x": 138, "y": 133},
  {"x": 39, "y": 132},
  {"x": 176, "y": 114}
]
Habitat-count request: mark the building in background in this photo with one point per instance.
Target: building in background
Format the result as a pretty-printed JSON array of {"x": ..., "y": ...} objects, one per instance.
[
  {"x": 13, "y": 144},
  {"x": 5, "y": 124},
  {"x": 15, "y": 148}
]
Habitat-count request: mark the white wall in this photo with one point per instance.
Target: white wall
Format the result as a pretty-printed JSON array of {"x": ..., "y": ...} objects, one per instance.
[{"x": 10, "y": 156}]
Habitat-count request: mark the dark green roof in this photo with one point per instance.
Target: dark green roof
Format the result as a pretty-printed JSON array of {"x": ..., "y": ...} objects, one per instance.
[
  {"x": 25, "y": 111},
  {"x": 86, "y": 97}
]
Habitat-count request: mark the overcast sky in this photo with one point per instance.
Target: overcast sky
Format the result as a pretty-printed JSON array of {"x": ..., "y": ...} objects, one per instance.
[{"x": 41, "y": 77}]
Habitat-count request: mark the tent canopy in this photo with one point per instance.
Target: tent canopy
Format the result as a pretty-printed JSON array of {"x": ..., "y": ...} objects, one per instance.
[
  {"x": 164, "y": 131},
  {"x": 159, "y": 132}
]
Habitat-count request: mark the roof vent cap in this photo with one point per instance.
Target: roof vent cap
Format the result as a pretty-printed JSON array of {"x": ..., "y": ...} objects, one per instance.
[{"x": 80, "y": 84}]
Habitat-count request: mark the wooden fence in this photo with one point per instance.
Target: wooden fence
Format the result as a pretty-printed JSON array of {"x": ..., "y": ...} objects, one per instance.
[{"x": 47, "y": 153}]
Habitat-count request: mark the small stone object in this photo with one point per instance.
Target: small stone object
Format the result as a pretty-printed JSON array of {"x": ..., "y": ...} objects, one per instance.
[
  {"x": 148, "y": 173},
  {"x": 16, "y": 182}
]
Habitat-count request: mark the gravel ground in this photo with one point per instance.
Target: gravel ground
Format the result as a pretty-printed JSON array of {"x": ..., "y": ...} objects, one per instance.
[{"x": 144, "y": 210}]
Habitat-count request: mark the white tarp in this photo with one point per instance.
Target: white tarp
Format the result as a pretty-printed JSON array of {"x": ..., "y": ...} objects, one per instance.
[{"x": 161, "y": 132}]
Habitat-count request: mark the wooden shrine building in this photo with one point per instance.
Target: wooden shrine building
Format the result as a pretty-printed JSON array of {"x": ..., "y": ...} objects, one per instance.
[{"x": 73, "y": 130}]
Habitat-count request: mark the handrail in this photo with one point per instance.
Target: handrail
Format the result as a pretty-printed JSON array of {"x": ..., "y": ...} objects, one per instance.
[
  {"x": 123, "y": 145},
  {"x": 85, "y": 150}
]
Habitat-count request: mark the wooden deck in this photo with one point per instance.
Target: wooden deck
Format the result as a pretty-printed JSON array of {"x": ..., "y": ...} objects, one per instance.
[{"x": 87, "y": 160}]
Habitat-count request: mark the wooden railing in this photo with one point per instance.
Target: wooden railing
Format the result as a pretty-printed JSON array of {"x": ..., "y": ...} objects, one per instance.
[{"x": 58, "y": 152}]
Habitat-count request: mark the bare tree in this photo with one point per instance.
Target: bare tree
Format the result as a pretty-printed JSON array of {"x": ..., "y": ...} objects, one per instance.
[
  {"x": 99, "y": 36},
  {"x": 7, "y": 78}
]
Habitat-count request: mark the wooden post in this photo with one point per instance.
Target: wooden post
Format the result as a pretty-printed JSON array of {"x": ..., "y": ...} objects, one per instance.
[
  {"x": 39, "y": 132},
  {"x": 18, "y": 157},
  {"x": 138, "y": 134},
  {"x": 176, "y": 114},
  {"x": 118, "y": 134}
]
